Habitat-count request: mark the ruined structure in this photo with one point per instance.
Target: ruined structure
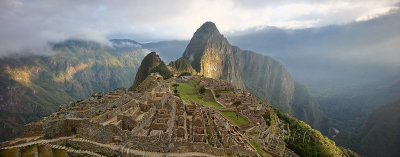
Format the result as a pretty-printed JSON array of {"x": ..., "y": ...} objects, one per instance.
[
  {"x": 123, "y": 123},
  {"x": 156, "y": 121}
]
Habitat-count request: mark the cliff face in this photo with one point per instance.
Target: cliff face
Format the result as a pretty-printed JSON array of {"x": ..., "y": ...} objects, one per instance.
[
  {"x": 182, "y": 65},
  {"x": 34, "y": 86},
  {"x": 211, "y": 55}
]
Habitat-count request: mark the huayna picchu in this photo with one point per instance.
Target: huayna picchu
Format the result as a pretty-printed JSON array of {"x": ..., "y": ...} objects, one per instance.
[
  {"x": 178, "y": 116},
  {"x": 210, "y": 54}
]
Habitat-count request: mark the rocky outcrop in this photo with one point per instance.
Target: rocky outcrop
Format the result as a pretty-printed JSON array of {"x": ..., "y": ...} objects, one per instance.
[
  {"x": 150, "y": 64},
  {"x": 181, "y": 65},
  {"x": 211, "y": 55}
]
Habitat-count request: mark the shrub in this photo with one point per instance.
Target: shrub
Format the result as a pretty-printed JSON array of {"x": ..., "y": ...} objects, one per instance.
[
  {"x": 163, "y": 71},
  {"x": 202, "y": 90},
  {"x": 185, "y": 74},
  {"x": 175, "y": 85}
]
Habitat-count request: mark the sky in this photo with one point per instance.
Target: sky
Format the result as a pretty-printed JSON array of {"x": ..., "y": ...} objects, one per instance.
[{"x": 31, "y": 24}]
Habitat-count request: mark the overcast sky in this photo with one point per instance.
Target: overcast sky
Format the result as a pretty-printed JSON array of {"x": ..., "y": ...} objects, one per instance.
[{"x": 28, "y": 24}]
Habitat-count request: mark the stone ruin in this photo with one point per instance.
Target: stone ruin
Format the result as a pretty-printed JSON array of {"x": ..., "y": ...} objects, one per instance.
[{"x": 121, "y": 123}]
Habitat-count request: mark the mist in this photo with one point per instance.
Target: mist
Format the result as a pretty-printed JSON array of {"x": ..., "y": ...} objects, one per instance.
[
  {"x": 351, "y": 69},
  {"x": 27, "y": 25}
]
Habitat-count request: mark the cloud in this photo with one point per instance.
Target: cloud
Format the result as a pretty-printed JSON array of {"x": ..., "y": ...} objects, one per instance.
[{"x": 31, "y": 24}]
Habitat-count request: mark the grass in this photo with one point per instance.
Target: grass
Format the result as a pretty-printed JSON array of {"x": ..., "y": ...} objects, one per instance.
[
  {"x": 189, "y": 94},
  {"x": 257, "y": 146},
  {"x": 29, "y": 151},
  {"x": 231, "y": 116},
  {"x": 8, "y": 152},
  {"x": 45, "y": 151},
  {"x": 60, "y": 153},
  {"x": 255, "y": 133}
]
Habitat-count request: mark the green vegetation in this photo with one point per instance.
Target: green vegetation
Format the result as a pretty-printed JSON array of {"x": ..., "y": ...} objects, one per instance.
[
  {"x": 255, "y": 134},
  {"x": 272, "y": 119},
  {"x": 73, "y": 147},
  {"x": 146, "y": 84},
  {"x": 45, "y": 151},
  {"x": 348, "y": 152},
  {"x": 257, "y": 146},
  {"x": 185, "y": 74},
  {"x": 202, "y": 90},
  {"x": 182, "y": 66},
  {"x": 234, "y": 118},
  {"x": 189, "y": 94},
  {"x": 209, "y": 135},
  {"x": 48, "y": 81},
  {"x": 150, "y": 64},
  {"x": 60, "y": 153},
  {"x": 8, "y": 152},
  {"x": 307, "y": 141},
  {"x": 237, "y": 104},
  {"x": 29, "y": 151},
  {"x": 162, "y": 70}
]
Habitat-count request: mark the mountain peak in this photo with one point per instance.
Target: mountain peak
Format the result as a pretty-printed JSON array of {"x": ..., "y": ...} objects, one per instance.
[
  {"x": 150, "y": 64},
  {"x": 207, "y": 36},
  {"x": 208, "y": 27}
]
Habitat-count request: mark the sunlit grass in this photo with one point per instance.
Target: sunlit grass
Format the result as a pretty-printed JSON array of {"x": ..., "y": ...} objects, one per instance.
[
  {"x": 190, "y": 94},
  {"x": 257, "y": 146},
  {"x": 231, "y": 116}
]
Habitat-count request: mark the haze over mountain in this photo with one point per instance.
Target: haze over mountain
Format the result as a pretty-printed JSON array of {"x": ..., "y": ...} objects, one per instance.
[
  {"x": 350, "y": 69},
  {"x": 211, "y": 55},
  {"x": 379, "y": 136},
  {"x": 30, "y": 25},
  {"x": 33, "y": 86}
]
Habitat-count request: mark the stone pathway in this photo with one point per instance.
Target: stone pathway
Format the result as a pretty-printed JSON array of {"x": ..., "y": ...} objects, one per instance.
[
  {"x": 37, "y": 142},
  {"x": 216, "y": 100}
]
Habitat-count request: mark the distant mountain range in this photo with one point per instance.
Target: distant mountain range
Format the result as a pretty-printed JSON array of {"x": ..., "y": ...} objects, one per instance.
[
  {"x": 379, "y": 136},
  {"x": 33, "y": 86},
  {"x": 350, "y": 69}
]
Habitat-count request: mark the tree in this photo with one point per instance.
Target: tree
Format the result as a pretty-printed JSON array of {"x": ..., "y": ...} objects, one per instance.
[
  {"x": 236, "y": 104},
  {"x": 175, "y": 89},
  {"x": 185, "y": 74},
  {"x": 202, "y": 90}
]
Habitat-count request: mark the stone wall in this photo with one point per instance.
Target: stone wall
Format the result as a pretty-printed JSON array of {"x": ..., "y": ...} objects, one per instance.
[
  {"x": 33, "y": 129},
  {"x": 82, "y": 144},
  {"x": 60, "y": 128},
  {"x": 127, "y": 122},
  {"x": 112, "y": 113},
  {"x": 97, "y": 132}
]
